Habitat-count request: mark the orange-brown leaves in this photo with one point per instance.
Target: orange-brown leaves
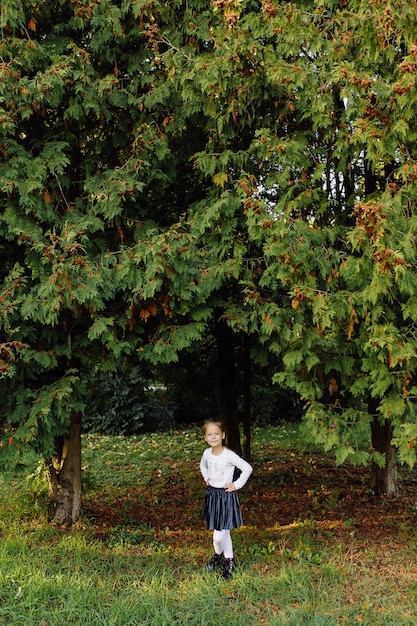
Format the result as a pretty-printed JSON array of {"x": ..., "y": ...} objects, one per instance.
[
  {"x": 333, "y": 386},
  {"x": 32, "y": 24},
  {"x": 149, "y": 309},
  {"x": 371, "y": 218}
]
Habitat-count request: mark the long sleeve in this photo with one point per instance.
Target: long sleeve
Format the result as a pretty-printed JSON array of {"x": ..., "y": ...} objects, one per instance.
[
  {"x": 218, "y": 470},
  {"x": 245, "y": 468},
  {"x": 203, "y": 466}
]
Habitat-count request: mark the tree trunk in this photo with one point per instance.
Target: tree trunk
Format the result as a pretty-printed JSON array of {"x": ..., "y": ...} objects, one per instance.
[
  {"x": 64, "y": 475},
  {"x": 227, "y": 384},
  {"x": 247, "y": 404},
  {"x": 384, "y": 479}
]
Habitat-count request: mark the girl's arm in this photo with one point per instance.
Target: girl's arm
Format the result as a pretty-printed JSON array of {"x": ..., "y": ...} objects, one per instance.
[
  {"x": 245, "y": 468},
  {"x": 204, "y": 468}
]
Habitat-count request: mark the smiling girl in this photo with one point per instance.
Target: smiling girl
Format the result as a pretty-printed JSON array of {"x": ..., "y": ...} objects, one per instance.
[{"x": 221, "y": 510}]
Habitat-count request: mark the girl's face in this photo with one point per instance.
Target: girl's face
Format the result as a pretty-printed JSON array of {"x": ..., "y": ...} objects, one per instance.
[{"x": 213, "y": 435}]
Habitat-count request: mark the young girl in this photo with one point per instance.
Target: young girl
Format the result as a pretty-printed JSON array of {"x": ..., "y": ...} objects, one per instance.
[{"x": 221, "y": 509}]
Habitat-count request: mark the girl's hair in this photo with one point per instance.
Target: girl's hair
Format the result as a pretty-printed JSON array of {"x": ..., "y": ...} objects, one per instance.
[{"x": 218, "y": 422}]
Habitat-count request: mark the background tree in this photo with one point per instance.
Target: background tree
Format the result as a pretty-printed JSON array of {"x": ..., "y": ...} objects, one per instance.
[
  {"x": 341, "y": 240},
  {"x": 239, "y": 168},
  {"x": 96, "y": 179},
  {"x": 311, "y": 155},
  {"x": 72, "y": 81}
]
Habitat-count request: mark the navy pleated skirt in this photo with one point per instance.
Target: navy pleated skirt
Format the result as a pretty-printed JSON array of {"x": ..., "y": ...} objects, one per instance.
[{"x": 221, "y": 509}]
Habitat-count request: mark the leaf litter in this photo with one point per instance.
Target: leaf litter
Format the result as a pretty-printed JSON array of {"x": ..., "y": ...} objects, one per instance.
[{"x": 286, "y": 492}]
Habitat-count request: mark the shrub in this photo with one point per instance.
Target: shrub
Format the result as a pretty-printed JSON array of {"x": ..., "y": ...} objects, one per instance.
[{"x": 121, "y": 403}]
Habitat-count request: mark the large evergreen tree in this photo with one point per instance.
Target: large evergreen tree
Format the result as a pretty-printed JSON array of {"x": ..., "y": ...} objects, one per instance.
[
  {"x": 75, "y": 183},
  {"x": 310, "y": 150},
  {"x": 242, "y": 167}
]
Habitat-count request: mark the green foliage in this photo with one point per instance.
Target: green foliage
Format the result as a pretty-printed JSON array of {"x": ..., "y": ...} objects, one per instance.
[
  {"x": 71, "y": 155},
  {"x": 39, "y": 416},
  {"x": 405, "y": 438},
  {"x": 165, "y": 165},
  {"x": 347, "y": 435},
  {"x": 120, "y": 403}
]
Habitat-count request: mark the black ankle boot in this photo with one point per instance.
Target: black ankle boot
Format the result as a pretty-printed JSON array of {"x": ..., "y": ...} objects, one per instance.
[
  {"x": 228, "y": 569},
  {"x": 215, "y": 562}
]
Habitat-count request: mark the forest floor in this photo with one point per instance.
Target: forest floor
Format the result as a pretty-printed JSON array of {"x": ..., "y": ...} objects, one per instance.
[
  {"x": 317, "y": 547},
  {"x": 288, "y": 489}
]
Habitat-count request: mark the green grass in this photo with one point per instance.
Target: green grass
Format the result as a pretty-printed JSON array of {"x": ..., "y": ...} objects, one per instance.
[{"x": 128, "y": 562}]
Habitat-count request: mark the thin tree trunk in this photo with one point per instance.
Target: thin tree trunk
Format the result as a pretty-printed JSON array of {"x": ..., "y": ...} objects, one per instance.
[
  {"x": 247, "y": 404},
  {"x": 384, "y": 480},
  {"x": 227, "y": 384},
  {"x": 64, "y": 474}
]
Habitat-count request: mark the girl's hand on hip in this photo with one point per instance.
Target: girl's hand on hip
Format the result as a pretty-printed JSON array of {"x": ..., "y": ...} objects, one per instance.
[{"x": 230, "y": 487}]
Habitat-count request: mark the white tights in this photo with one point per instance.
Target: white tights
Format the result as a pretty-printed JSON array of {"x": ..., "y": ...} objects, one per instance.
[{"x": 222, "y": 543}]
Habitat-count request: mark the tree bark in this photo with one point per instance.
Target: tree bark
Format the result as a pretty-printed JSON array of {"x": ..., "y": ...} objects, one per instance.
[
  {"x": 64, "y": 475},
  {"x": 247, "y": 402},
  {"x": 227, "y": 384},
  {"x": 384, "y": 480}
]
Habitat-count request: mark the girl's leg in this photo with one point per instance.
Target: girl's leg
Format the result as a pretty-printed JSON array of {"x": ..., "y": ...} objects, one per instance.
[
  {"x": 228, "y": 545},
  {"x": 218, "y": 541},
  {"x": 222, "y": 543}
]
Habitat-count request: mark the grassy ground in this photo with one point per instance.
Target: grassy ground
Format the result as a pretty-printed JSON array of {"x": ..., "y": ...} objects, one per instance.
[{"x": 316, "y": 548}]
